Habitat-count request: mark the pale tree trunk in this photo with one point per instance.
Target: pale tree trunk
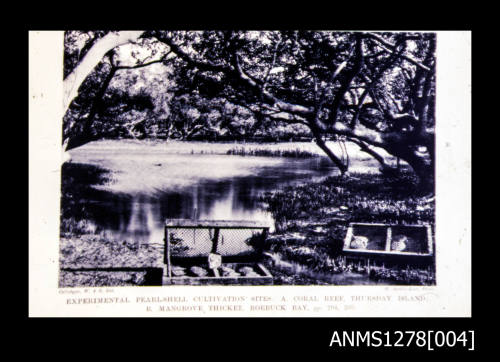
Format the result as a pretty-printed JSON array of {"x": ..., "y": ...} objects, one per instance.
[
  {"x": 318, "y": 136},
  {"x": 365, "y": 148},
  {"x": 73, "y": 80},
  {"x": 340, "y": 165},
  {"x": 83, "y": 134},
  {"x": 91, "y": 59}
]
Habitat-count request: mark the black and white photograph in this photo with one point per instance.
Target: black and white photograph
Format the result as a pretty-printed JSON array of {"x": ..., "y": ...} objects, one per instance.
[{"x": 232, "y": 158}]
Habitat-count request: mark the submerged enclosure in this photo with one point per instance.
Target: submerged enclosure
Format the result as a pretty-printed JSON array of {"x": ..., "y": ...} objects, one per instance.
[
  {"x": 214, "y": 252},
  {"x": 394, "y": 244}
]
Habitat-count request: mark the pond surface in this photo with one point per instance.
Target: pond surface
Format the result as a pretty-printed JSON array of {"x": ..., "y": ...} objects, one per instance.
[{"x": 149, "y": 185}]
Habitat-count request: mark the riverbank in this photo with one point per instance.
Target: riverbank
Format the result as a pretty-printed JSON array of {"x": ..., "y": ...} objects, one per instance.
[
  {"x": 176, "y": 147},
  {"x": 311, "y": 223}
]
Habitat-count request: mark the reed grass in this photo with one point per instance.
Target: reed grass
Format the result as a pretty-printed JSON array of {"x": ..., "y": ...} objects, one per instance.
[
  {"x": 334, "y": 203},
  {"x": 295, "y": 153}
]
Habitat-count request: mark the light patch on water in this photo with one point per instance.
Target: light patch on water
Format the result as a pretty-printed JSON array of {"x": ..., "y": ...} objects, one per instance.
[
  {"x": 152, "y": 181},
  {"x": 148, "y": 173}
]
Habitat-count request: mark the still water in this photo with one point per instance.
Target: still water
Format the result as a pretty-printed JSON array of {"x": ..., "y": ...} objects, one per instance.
[{"x": 149, "y": 186}]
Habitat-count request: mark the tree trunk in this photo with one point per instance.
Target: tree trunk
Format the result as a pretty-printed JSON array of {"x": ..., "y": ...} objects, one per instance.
[
  {"x": 331, "y": 155},
  {"x": 423, "y": 168},
  {"x": 85, "y": 132},
  {"x": 73, "y": 80},
  {"x": 365, "y": 148},
  {"x": 424, "y": 173},
  {"x": 321, "y": 144}
]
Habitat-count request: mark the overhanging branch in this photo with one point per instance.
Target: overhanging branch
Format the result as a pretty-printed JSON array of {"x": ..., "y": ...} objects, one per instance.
[
  {"x": 390, "y": 48},
  {"x": 161, "y": 60}
]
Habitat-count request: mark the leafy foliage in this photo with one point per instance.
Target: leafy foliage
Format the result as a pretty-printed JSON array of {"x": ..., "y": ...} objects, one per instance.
[{"x": 374, "y": 89}]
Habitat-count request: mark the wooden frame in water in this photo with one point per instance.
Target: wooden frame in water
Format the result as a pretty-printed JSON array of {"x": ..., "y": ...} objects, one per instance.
[
  {"x": 233, "y": 245},
  {"x": 382, "y": 239}
]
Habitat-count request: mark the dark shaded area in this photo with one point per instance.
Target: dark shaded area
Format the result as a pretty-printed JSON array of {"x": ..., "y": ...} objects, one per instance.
[
  {"x": 413, "y": 237},
  {"x": 376, "y": 236},
  {"x": 77, "y": 192}
]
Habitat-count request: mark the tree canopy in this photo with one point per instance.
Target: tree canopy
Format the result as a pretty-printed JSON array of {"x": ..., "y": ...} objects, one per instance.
[{"x": 374, "y": 89}]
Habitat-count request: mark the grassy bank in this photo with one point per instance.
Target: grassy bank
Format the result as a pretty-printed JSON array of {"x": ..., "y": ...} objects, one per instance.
[
  {"x": 94, "y": 260},
  {"x": 295, "y": 153},
  {"x": 358, "y": 198},
  {"x": 312, "y": 221},
  {"x": 152, "y": 147}
]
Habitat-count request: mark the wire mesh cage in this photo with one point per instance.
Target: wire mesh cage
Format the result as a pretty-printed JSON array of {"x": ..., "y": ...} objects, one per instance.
[
  {"x": 215, "y": 252},
  {"x": 409, "y": 244}
]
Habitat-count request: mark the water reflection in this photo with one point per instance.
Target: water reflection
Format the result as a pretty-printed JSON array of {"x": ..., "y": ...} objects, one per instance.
[{"x": 139, "y": 215}]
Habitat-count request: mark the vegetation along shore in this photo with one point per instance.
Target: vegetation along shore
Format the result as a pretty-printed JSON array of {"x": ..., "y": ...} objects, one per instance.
[{"x": 306, "y": 247}]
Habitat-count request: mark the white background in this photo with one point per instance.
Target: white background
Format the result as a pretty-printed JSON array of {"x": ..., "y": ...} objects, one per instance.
[{"x": 450, "y": 298}]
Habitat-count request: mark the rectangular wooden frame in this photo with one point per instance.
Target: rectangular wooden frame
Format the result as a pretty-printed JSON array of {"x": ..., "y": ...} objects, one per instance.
[
  {"x": 168, "y": 279},
  {"x": 387, "y": 251}
]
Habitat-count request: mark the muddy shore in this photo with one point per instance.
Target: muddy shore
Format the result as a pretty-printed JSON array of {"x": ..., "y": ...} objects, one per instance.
[{"x": 311, "y": 222}]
